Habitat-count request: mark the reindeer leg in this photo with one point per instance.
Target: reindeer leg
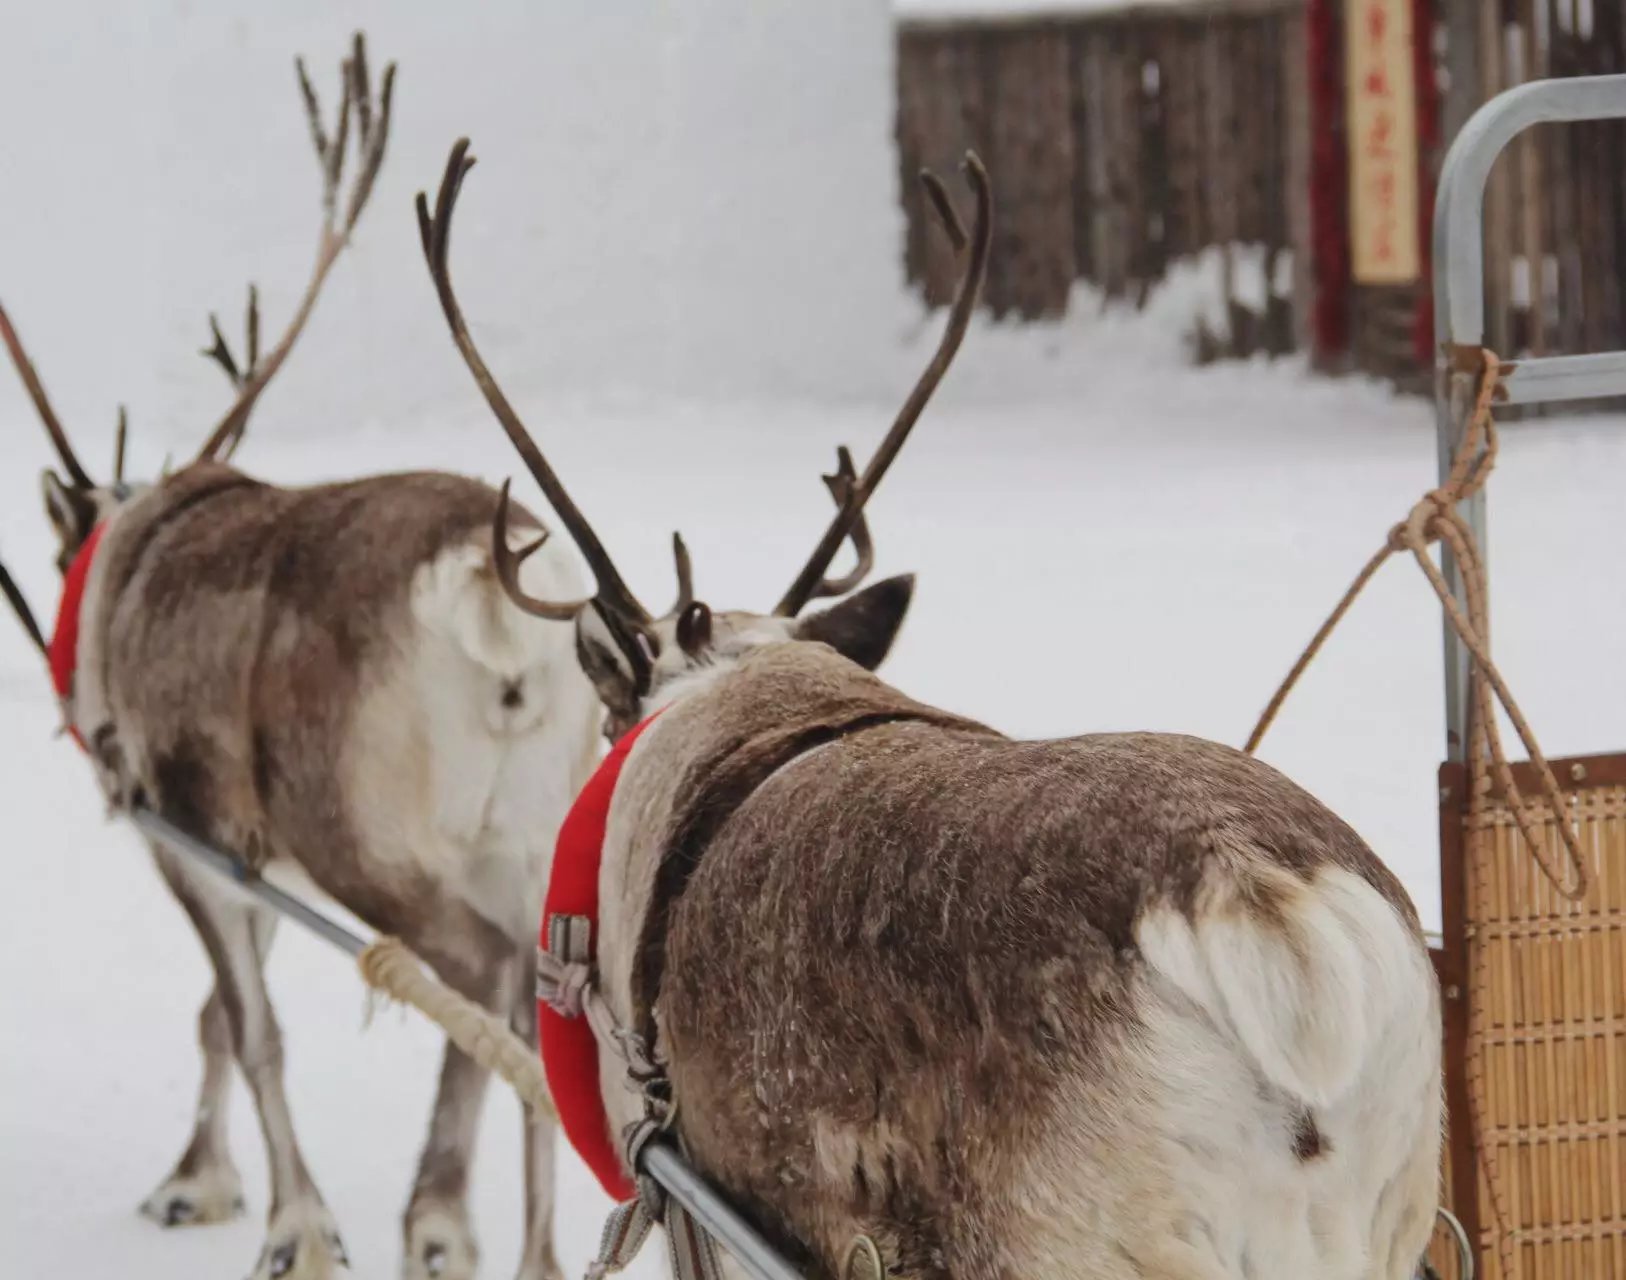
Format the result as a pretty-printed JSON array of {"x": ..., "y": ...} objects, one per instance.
[
  {"x": 537, "y": 1260},
  {"x": 302, "y": 1241},
  {"x": 438, "y": 1239},
  {"x": 204, "y": 1185}
]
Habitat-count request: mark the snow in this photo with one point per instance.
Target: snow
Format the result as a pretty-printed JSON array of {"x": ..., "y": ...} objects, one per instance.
[
  {"x": 656, "y": 181},
  {"x": 1106, "y": 538}
]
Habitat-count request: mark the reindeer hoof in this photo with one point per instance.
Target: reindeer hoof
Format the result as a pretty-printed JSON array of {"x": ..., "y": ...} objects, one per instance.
[
  {"x": 193, "y": 1200},
  {"x": 439, "y": 1245},
  {"x": 302, "y": 1244}
]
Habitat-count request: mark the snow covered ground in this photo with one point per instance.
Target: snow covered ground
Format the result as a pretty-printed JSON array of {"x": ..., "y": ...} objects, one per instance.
[{"x": 1105, "y": 539}]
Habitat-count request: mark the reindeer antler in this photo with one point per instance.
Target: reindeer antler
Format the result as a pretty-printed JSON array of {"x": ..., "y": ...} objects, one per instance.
[
  {"x": 810, "y": 581},
  {"x": 42, "y": 405},
  {"x": 841, "y": 486},
  {"x": 121, "y": 438},
  {"x": 221, "y": 353},
  {"x": 685, "y": 576},
  {"x": 613, "y": 593},
  {"x": 19, "y": 605},
  {"x": 372, "y": 132}
]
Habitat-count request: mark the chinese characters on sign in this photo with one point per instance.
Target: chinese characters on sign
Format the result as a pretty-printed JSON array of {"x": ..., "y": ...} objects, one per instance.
[{"x": 1382, "y": 116}]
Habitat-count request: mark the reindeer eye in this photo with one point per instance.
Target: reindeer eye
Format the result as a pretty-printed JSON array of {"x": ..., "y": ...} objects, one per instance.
[{"x": 694, "y": 629}]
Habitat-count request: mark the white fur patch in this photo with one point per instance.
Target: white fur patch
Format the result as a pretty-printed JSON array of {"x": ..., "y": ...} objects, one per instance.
[
  {"x": 468, "y": 749},
  {"x": 457, "y": 596},
  {"x": 1166, "y": 1157},
  {"x": 1306, "y": 993}
]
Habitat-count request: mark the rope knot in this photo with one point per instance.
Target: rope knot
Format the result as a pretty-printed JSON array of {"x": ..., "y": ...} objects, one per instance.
[
  {"x": 564, "y": 968},
  {"x": 1436, "y": 518},
  {"x": 562, "y": 985}
]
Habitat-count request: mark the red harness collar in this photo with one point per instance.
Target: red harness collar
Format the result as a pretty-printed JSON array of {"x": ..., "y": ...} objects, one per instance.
[
  {"x": 63, "y": 651},
  {"x": 569, "y": 1051}
]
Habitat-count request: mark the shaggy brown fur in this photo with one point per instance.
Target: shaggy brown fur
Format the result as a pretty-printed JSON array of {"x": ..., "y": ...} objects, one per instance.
[
  {"x": 915, "y": 933},
  {"x": 284, "y": 597},
  {"x": 253, "y": 667}
]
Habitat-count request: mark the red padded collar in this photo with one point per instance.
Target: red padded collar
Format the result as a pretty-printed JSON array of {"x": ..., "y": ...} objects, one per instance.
[
  {"x": 569, "y": 1051},
  {"x": 63, "y": 651}
]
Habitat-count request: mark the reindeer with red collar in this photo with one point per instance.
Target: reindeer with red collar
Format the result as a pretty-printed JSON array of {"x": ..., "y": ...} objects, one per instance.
[
  {"x": 331, "y": 680},
  {"x": 1122, "y": 1006}
]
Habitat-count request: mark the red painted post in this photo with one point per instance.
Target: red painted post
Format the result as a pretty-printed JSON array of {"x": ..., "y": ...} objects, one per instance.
[{"x": 1329, "y": 180}]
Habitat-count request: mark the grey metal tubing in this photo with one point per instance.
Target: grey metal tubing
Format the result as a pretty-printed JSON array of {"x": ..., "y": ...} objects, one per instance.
[
  {"x": 662, "y": 1162},
  {"x": 235, "y": 870},
  {"x": 1459, "y": 310},
  {"x": 1459, "y": 234},
  {"x": 1465, "y": 1249},
  {"x": 1554, "y": 378},
  {"x": 659, "y": 1159}
]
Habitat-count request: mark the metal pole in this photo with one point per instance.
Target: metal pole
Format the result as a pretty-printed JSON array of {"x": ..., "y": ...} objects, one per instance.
[
  {"x": 246, "y": 881},
  {"x": 1459, "y": 310},
  {"x": 659, "y": 1159},
  {"x": 662, "y": 1162}
]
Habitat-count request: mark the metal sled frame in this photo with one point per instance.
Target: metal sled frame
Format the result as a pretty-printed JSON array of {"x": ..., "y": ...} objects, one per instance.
[
  {"x": 1459, "y": 307},
  {"x": 1470, "y": 846}
]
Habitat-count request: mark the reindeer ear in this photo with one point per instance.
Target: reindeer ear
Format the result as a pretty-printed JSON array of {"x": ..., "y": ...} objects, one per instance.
[
  {"x": 71, "y": 510},
  {"x": 863, "y": 626},
  {"x": 616, "y": 657}
]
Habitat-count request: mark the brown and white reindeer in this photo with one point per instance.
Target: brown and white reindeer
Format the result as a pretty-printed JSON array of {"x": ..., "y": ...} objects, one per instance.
[
  {"x": 331, "y": 680},
  {"x": 1123, "y": 1005}
]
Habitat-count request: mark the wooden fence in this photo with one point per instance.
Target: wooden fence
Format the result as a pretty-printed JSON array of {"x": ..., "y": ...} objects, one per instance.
[
  {"x": 1119, "y": 142},
  {"x": 1555, "y": 211},
  {"x": 1122, "y": 141}
]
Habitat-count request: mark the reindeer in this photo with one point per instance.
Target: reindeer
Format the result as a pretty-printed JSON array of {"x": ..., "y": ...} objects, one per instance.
[
  {"x": 333, "y": 681},
  {"x": 1124, "y": 1005}
]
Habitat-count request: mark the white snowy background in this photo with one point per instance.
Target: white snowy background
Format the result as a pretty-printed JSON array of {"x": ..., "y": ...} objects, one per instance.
[{"x": 681, "y": 254}]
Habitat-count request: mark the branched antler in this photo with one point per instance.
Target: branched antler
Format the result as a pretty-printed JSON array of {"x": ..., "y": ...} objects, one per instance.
[
  {"x": 435, "y": 230},
  {"x": 42, "y": 405},
  {"x": 974, "y": 249},
  {"x": 221, "y": 353},
  {"x": 19, "y": 605},
  {"x": 841, "y": 486},
  {"x": 372, "y": 133},
  {"x": 850, "y": 490},
  {"x": 238, "y": 375}
]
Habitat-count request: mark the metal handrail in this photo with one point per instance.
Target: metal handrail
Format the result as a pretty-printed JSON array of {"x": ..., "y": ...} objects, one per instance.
[{"x": 1459, "y": 310}]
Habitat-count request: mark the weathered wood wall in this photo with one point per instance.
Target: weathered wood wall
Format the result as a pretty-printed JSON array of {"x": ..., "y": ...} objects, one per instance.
[
  {"x": 1555, "y": 211},
  {"x": 1121, "y": 141},
  {"x": 1118, "y": 143}
]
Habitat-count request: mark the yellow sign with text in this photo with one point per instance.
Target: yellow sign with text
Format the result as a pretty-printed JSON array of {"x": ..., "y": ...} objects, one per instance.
[{"x": 1381, "y": 95}]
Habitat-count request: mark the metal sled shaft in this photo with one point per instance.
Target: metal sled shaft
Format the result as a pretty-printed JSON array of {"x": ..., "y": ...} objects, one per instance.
[{"x": 659, "y": 1159}]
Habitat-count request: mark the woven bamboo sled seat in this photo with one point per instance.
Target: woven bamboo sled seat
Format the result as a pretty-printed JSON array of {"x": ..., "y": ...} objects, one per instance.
[{"x": 1535, "y": 987}]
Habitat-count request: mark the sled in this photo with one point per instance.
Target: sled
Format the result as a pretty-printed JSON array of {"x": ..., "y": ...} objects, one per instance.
[{"x": 1534, "y": 983}]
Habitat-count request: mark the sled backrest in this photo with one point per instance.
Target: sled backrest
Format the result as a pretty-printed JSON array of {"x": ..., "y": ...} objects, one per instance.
[{"x": 1534, "y": 981}]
